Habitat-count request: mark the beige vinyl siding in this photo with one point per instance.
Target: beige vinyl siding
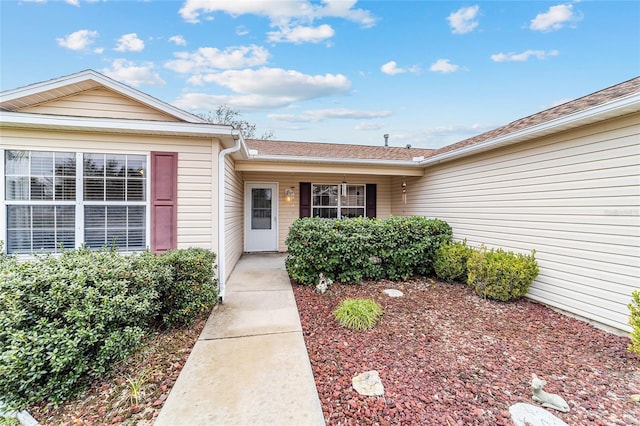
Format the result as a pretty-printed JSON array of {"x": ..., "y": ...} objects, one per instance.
[
  {"x": 234, "y": 216},
  {"x": 573, "y": 197},
  {"x": 289, "y": 211},
  {"x": 99, "y": 102},
  {"x": 195, "y": 170}
]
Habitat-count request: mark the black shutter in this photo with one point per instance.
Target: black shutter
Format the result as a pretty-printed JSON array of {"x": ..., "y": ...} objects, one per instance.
[
  {"x": 372, "y": 200},
  {"x": 305, "y": 199}
]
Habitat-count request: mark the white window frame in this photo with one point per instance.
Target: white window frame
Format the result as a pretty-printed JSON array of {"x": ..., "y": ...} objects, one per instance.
[
  {"x": 341, "y": 195},
  {"x": 79, "y": 202}
]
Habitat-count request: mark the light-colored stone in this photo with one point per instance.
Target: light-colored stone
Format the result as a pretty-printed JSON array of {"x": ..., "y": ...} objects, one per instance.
[
  {"x": 526, "y": 414},
  {"x": 391, "y": 292},
  {"x": 368, "y": 383}
]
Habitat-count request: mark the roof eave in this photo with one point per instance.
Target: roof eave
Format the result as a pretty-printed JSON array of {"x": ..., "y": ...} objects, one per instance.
[
  {"x": 316, "y": 160},
  {"x": 616, "y": 108},
  {"x": 114, "y": 125}
]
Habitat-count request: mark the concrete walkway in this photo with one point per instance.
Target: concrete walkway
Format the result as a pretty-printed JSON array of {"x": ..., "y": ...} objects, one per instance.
[{"x": 250, "y": 364}]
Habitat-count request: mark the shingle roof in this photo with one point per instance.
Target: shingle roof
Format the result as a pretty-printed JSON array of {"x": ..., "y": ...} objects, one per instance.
[
  {"x": 340, "y": 151},
  {"x": 331, "y": 150},
  {"x": 598, "y": 98}
]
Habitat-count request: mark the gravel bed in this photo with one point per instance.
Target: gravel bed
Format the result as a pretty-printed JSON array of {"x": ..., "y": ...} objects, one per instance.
[{"x": 448, "y": 357}]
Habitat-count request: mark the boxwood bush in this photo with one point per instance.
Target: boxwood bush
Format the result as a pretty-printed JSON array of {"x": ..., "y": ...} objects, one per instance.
[
  {"x": 450, "y": 262},
  {"x": 501, "y": 275},
  {"x": 354, "y": 249},
  {"x": 67, "y": 319}
]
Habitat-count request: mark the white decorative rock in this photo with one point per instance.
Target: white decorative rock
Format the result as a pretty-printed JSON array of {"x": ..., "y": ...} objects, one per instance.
[
  {"x": 368, "y": 384},
  {"x": 526, "y": 414},
  {"x": 393, "y": 292}
]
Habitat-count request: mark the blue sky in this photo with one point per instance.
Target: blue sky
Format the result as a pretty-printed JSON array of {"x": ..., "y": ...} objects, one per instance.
[{"x": 428, "y": 73}]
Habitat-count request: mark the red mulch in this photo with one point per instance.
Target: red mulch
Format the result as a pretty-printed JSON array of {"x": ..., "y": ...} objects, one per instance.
[{"x": 448, "y": 357}]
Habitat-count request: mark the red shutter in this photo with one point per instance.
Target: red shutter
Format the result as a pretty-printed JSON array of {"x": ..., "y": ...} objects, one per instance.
[
  {"x": 164, "y": 201},
  {"x": 372, "y": 200},
  {"x": 305, "y": 199}
]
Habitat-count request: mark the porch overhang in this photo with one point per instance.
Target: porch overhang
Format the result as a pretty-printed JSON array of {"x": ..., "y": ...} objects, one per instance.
[{"x": 332, "y": 166}]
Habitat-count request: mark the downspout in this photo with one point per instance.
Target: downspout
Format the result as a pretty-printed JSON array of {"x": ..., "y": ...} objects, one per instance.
[{"x": 222, "y": 274}]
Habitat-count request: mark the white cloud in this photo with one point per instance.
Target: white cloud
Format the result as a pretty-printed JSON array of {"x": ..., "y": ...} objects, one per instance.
[
  {"x": 178, "y": 40},
  {"x": 135, "y": 75},
  {"x": 73, "y": 2},
  {"x": 130, "y": 43},
  {"x": 207, "y": 59},
  {"x": 555, "y": 18},
  {"x": 391, "y": 68},
  {"x": 368, "y": 125},
  {"x": 302, "y": 34},
  {"x": 265, "y": 88},
  {"x": 464, "y": 19},
  {"x": 444, "y": 66},
  {"x": 79, "y": 40},
  {"x": 280, "y": 12},
  {"x": 524, "y": 56}
]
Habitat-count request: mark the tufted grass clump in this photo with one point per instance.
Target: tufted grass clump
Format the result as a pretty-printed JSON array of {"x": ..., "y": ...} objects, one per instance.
[
  {"x": 634, "y": 321},
  {"x": 358, "y": 314}
]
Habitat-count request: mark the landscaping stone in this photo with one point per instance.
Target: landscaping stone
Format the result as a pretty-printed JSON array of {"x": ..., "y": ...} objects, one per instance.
[
  {"x": 368, "y": 383},
  {"x": 526, "y": 414},
  {"x": 393, "y": 292}
]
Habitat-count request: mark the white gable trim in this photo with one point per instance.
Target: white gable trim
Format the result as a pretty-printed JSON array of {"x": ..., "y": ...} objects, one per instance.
[{"x": 101, "y": 80}]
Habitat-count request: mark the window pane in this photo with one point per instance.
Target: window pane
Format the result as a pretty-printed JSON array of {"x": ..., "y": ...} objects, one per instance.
[
  {"x": 41, "y": 163},
  {"x": 42, "y": 188},
  {"x": 65, "y": 164},
  {"x": 325, "y": 195},
  {"x": 328, "y": 213},
  {"x": 65, "y": 239},
  {"x": 351, "y": 212},
  {"x": 18, "y": 217},
  {"x": 16, "y": 163},
  {"x": 136, "y": 217},
  {"x": 93, "y": 165},
  {"x": 18, "y": 241},
  {"x": 117, "y": 238},
  {"x": 65, "y": 188},
  {"x": 261, "y": 208},
  {"x": 17, "y": 188},
  {"x": 115, "y": 189},
  {"x": 135, "y": 190},
  {"x": 136, "y": 239},
  {"x": 116, "y": 217},
  {"x": 94, "y": 189},
  {"x": 94, "y": 217},
  {"x": 115, "y": 166},
  {"x": 136, "y": 166},
  {"x": 43, "y": 217},
  {"x": 94, "y": 238},
  {"x": 66, "y": 217},
  {"x": 44, "y": 240}
]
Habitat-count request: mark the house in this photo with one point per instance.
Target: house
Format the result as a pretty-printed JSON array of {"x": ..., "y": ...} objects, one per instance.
[{"x": 88, "y": 160}]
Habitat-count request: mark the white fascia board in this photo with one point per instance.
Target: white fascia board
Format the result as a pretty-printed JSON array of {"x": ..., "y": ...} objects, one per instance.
[
  {"x": 616, "y": 108},
  {"x": 112, "y": 124},
  {"x": 101, "y": 79},
  {"x": 360, "y": 161}
]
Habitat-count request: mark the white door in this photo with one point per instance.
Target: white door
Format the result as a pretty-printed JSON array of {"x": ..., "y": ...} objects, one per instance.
[{"x": 261, "y": 219}]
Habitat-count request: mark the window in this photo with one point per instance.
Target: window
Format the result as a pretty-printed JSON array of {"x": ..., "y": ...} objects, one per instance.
[
  {"x": 52, "y": 202},
  {"x": 337, "y": 201}
]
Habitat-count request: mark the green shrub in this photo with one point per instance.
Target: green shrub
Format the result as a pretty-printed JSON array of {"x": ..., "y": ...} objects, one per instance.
[
  {"x": 501, "y": 275},
  {"x": 358, "y": 314},
  {"x": 450, "y": 262},
  {"x": 634, "y": 321},
  {"x": 355, "y": 249},
  {"x": 66, "y": 319},
  {"x": 192, "y": 289}
]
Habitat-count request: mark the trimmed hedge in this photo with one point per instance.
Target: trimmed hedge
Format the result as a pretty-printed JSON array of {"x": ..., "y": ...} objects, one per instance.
[
  {"x": 67, "y": 319},
  {"x": 501, "y": 275},
  {"x": 355, "y": 249},
  {"x": 450, "y": 262}
]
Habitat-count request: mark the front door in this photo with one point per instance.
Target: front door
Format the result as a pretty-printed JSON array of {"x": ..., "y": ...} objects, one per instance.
[{"x": 261, "y": 221}]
